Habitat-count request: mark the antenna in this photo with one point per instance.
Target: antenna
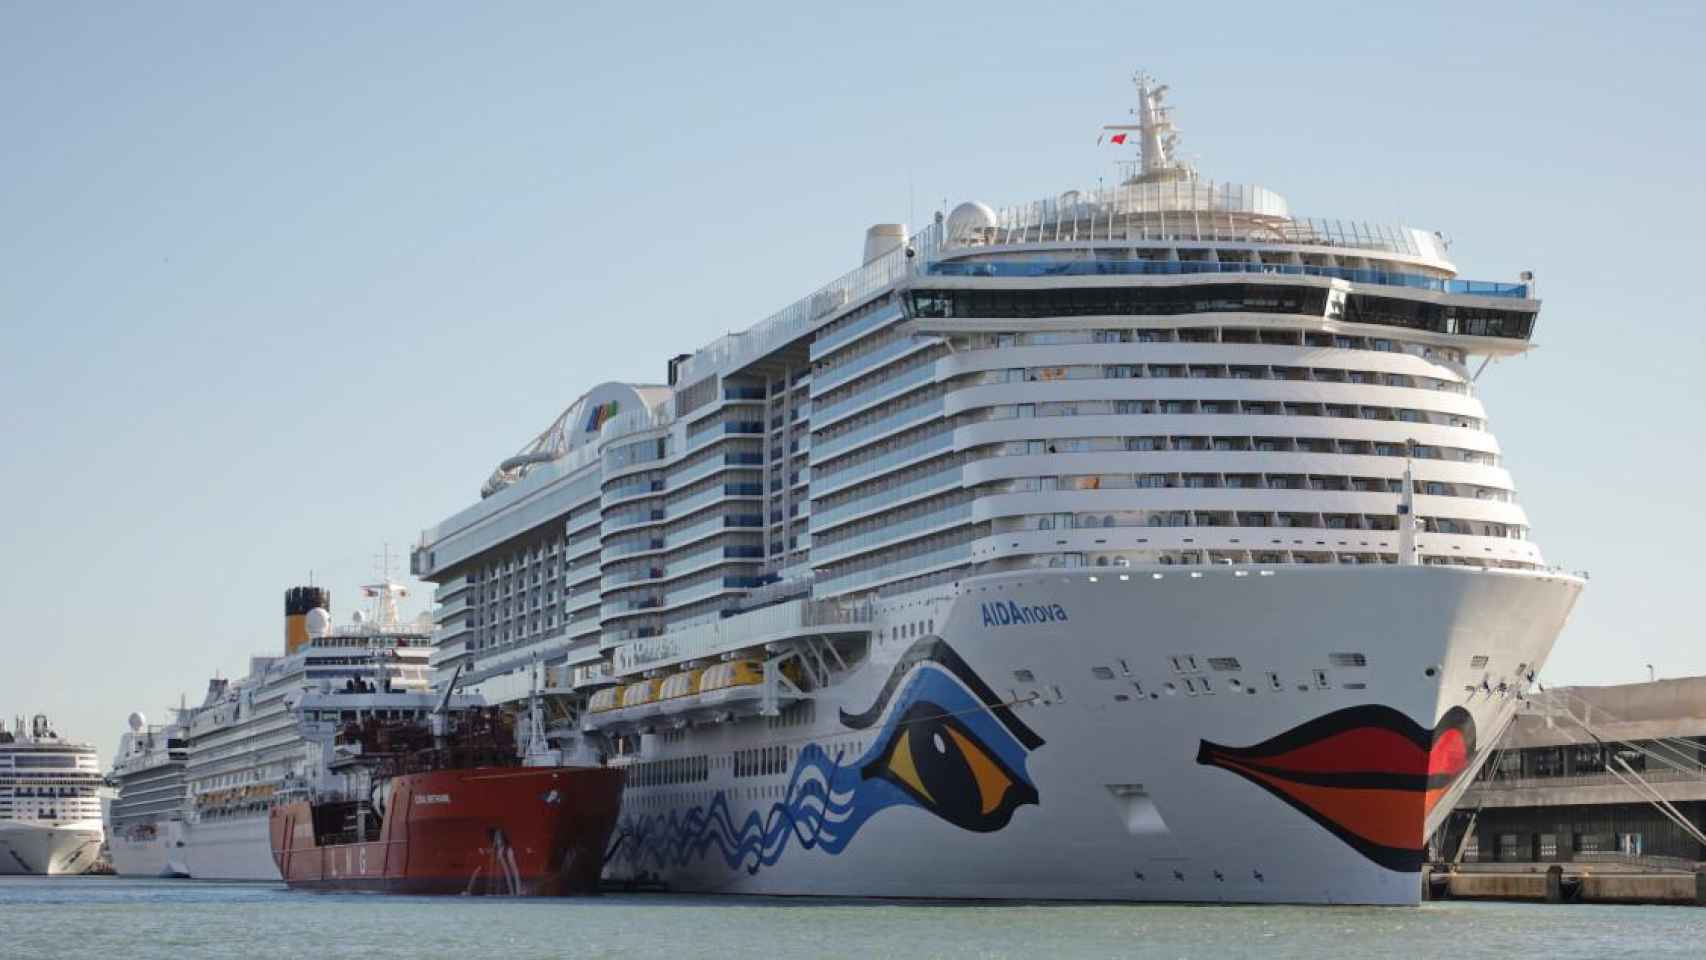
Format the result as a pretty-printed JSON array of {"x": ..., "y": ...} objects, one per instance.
[
  {"x": 1157, "y": 138},
  {"x": 385, "y": 592}
]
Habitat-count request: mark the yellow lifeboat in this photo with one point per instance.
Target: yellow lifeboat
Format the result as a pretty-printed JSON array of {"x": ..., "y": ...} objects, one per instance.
[
  {"x": 604, "y": 700},
  {"x": 646, "y": 691},
  {"x": 734, "y": 673},
  {"x": 683, "y": 684}
]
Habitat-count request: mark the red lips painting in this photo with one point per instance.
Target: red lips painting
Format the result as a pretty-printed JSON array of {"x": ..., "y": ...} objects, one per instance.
[{"x": 1369, "y": 774}]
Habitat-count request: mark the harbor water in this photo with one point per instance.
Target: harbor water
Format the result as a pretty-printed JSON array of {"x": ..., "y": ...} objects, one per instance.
[{"x": 122, "y": 919}]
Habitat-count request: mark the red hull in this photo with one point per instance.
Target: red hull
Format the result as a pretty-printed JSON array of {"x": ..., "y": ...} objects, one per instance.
[{"x": 517, "y": 831}]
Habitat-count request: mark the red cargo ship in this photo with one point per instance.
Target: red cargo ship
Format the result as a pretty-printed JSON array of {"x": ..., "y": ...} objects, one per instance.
[{"x": 466, "y": 818}]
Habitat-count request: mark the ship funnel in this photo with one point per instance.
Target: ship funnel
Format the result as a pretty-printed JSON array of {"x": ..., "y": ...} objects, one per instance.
[
  {"x": 297, "y": 602},
  {"x": 883, "y": 238}
]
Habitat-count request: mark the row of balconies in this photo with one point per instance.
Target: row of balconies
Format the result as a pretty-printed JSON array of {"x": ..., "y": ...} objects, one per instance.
[
  {"x": 1199, "y": 334},
  {"x": 1139, "y": 371},
  {"x": 1252, "y": 519},
  {"x": 1256, "y": 408},
  {"x": 896, "y": 453},
  {"x": 1215, "y": 480}
]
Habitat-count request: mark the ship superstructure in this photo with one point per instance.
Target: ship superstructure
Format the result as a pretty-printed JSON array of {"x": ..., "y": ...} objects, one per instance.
[
  {"x": 1147, "y": 542},
  {"x": 50, "y": 807},
  {"x": 269, "y": 737},
  {"x": 145, "y": 822}
]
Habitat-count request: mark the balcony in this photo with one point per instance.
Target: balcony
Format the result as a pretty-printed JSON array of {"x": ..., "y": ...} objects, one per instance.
[
  {"x": 824, "y": 450},
  {"x": 878, "y": 499},
  {"x": 872, "y": 321}
]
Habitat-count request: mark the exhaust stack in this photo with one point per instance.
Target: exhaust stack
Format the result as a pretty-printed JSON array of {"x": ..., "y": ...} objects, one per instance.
[{"x": 297, "y": 602}]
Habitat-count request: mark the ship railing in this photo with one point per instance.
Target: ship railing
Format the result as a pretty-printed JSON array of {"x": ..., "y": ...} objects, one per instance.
[
  {"x": 1099, "y": 267},
  {"x": 1499, "y": 781},
  {"x": 755, "y": 627},
  {"x": 1192, "y": 211},
  {"x": 805, "y": 314}
]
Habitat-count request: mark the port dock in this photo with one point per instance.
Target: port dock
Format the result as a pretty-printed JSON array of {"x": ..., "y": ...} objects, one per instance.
[{"x": 1643, "y": 881}]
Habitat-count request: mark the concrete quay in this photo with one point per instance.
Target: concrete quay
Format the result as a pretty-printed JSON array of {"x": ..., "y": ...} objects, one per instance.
[{"x": 1566, "y": 883}]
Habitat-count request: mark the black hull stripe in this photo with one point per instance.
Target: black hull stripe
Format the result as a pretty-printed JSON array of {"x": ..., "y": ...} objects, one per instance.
[{"x": 936, "y": 650}]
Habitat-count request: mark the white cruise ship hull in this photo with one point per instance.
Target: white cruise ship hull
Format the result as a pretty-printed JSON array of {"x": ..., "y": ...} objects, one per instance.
[
  {"x": 1298, "y": 772},
  {"x": 231, "y": 848},
  {"x": 162, "y": 855},
  {"x": 48, "y": 849}
]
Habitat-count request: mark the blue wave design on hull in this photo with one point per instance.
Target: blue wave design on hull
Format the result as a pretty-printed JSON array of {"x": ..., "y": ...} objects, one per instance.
[
  {"x": 946, "y": 744},
  {"x": 809, "y": 816}
]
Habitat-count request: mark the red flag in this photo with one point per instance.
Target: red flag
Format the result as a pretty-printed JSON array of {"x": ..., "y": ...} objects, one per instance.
[{"x": 1117, "y": 138}]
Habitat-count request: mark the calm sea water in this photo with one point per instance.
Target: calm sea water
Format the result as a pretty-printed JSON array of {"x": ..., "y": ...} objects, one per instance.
[{"x": 115, "y": 919}]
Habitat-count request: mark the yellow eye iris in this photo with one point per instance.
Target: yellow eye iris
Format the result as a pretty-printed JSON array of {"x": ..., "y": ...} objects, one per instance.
[
  {"x": 992, "y": 783},
  {"x": 901, "y": 765}
]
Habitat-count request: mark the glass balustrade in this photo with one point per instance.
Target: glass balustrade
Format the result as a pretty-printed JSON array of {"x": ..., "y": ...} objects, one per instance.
[
  {"x": 704, "y": 498},
  {"x": 825, "y": 449},
  {"x": 826, "y": 483},
  {"x": 823, "y": 415},
  {"x": 827, "y": 380},
  {"x": 1079, "y": 268},
  {"x": 825, "y": 344},
  {"x": 894, "y": 568},
  {"x": 698, "y": 471},
  {"x": 888, "y": 533},
  {"x": 875, "y": 499}
]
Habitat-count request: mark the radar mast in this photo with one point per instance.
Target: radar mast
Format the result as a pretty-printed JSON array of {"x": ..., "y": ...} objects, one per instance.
[{"x": 1157, "y": 138}]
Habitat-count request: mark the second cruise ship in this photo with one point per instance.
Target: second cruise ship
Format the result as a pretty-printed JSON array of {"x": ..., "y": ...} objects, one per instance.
[
  {"x": 50, "y": 807},
  {"x": 269, "y": 738},
  {"x": 1142, "y": 543},
  {"x": 145, "y": 825}
]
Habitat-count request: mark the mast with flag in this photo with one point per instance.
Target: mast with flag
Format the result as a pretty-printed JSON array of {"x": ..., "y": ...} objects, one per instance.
[
  {"x": 385, "y": 593},
  {"x": 1157, "y": 139}
]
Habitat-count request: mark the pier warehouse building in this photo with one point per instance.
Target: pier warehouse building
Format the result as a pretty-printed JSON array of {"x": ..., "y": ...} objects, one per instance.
[{"x": 1584, "y": 775}]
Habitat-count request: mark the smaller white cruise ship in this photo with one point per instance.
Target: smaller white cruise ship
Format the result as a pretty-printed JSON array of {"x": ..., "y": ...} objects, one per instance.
[
  {"x": 145, "y": 823},
  {"x": 50, "y": 810},
  {"x": 269, "y": 737}
]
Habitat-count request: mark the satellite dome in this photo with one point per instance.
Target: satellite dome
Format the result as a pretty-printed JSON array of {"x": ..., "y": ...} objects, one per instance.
[
  {"x": 968, "y": 223},
  {"x": 319, "y": 622},
  {"x": 137, "y": 721}
]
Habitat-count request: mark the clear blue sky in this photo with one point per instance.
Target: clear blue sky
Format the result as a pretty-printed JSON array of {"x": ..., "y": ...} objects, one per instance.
[{"x": 281, "y": 284}]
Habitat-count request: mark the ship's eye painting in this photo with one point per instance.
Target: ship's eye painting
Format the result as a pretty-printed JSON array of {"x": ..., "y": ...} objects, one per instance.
[
  {"x": 948, "y": 743},
  {"x": 934, "y": 757},
  {"x": 939, "y": 740}
]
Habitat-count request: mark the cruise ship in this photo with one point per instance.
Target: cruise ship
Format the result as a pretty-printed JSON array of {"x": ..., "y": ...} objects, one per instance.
[
  {"x": 145, "y": 822},
  {"x": 1147, "y": 542},
  {"x": 50, "y": 807},
  {"x": 269, "y": 738}
]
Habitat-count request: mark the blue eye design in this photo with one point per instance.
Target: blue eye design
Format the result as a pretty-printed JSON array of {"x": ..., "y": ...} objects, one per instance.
[{"x": 944, "y": 742}]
